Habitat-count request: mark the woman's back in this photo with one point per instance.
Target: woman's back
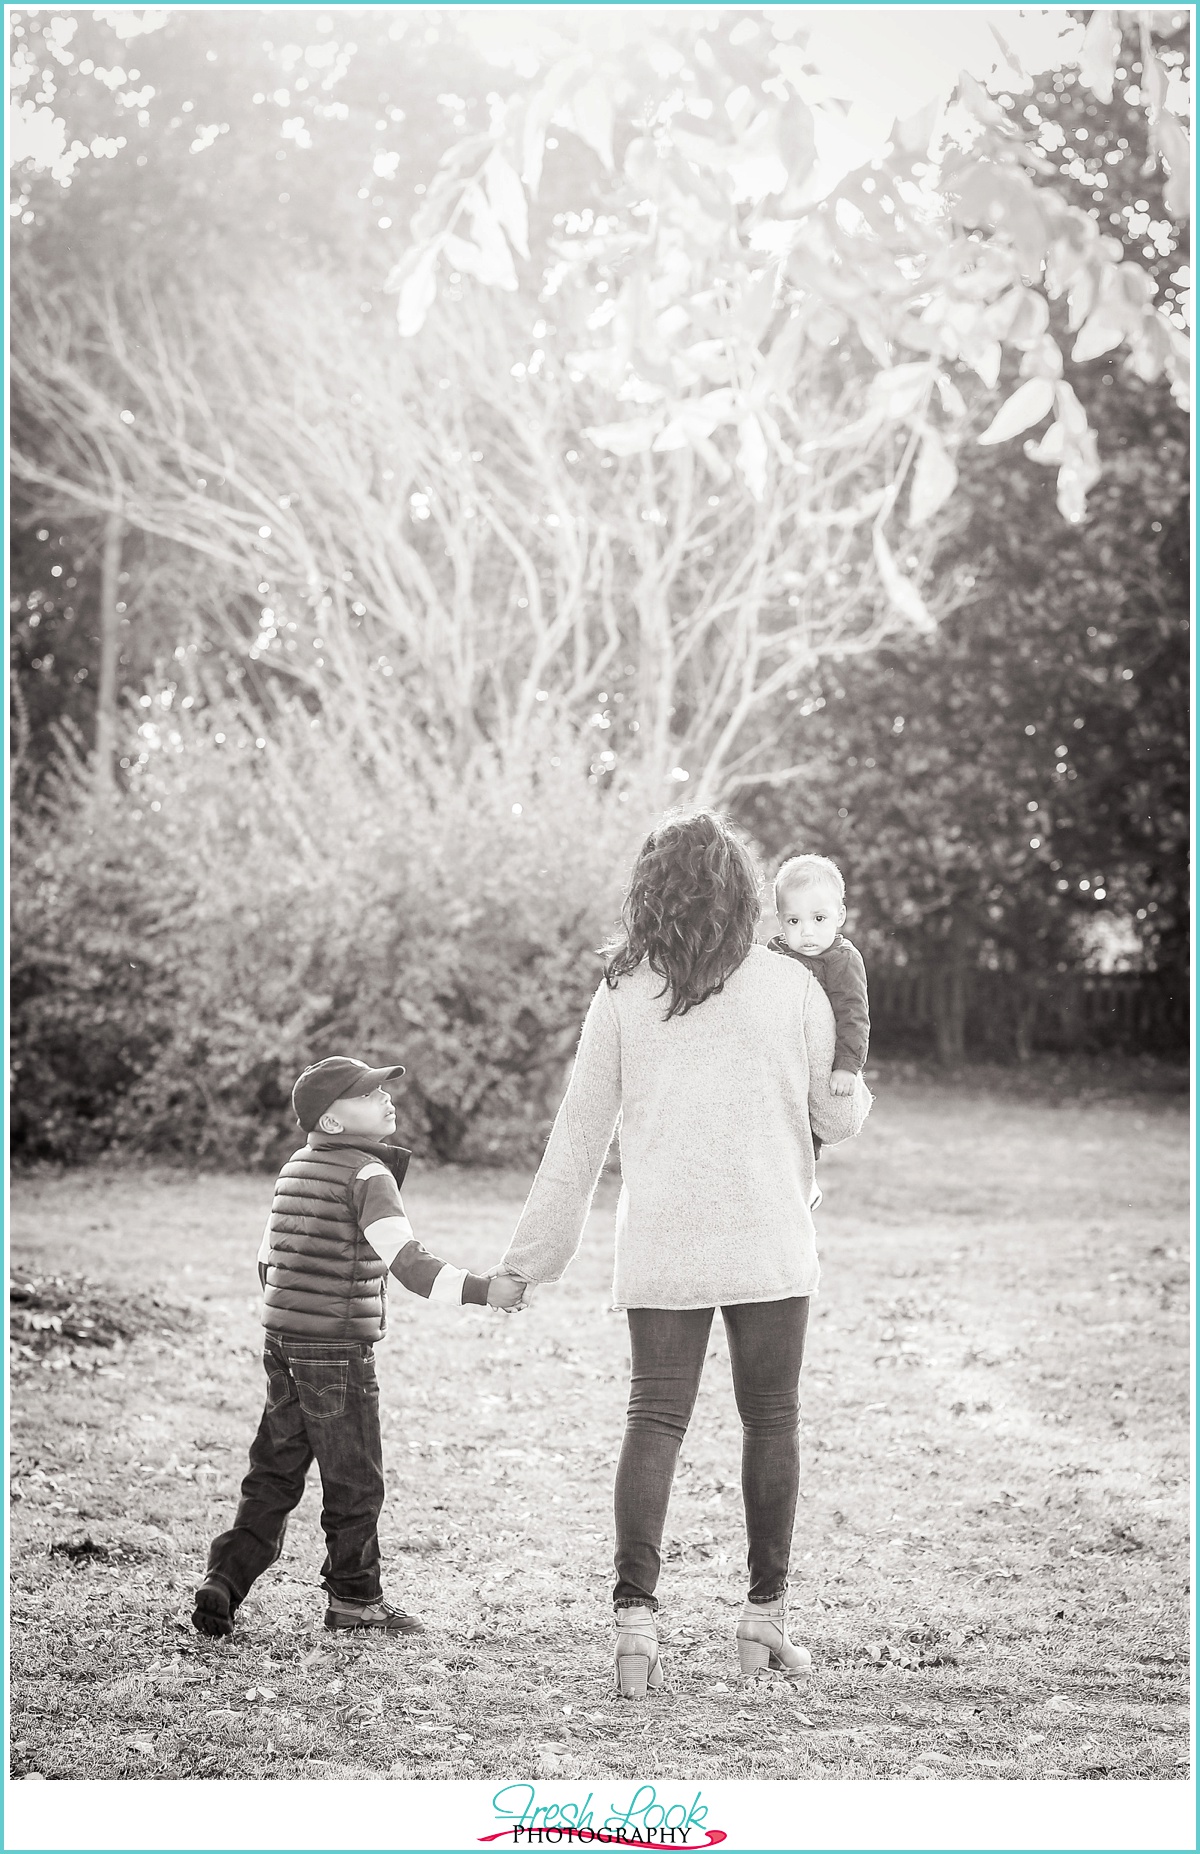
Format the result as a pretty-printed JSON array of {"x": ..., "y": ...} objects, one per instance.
[
  {"x": 716, "y": 1149},
  {"x": 716, "y": 1153}
]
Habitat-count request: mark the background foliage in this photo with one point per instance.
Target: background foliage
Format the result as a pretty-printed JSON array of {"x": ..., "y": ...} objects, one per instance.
[
  {"x": 349, "y": 664},
  {"x": 1012, "y": 792},
  {"x": 177, "y": 961}
]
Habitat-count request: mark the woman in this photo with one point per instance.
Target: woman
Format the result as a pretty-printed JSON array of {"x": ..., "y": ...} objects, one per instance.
[{"x": 715, "y": 1055}]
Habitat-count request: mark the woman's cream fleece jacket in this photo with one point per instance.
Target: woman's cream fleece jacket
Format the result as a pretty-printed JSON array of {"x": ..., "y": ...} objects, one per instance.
[{"x": 717, "y": 1110}]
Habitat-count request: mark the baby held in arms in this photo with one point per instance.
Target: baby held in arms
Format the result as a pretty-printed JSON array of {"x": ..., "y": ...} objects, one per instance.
[{"x": 810, "y": 900}]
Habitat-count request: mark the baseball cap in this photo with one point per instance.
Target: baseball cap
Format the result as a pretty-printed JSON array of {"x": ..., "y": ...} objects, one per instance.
[{"x": 323, "y": 1083}]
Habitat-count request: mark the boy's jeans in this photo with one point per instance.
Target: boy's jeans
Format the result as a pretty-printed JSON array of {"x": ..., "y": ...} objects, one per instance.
[{"x": 322, "y": 1403}]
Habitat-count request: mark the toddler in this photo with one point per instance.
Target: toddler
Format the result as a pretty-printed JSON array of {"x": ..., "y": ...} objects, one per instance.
[
  {"x": 337, "y": 1229},
  {"x": 810, "y": 902}
]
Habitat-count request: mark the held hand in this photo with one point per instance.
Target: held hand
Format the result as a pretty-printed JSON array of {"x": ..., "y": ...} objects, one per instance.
[
  {"x": 842, "y": 1081},
  {"x": 505, "y": 1291}
]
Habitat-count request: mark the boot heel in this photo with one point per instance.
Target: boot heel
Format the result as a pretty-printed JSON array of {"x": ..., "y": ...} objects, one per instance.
[
  {"x": 638, "y": 1664},
  {"x": 753, "y": 1657}
]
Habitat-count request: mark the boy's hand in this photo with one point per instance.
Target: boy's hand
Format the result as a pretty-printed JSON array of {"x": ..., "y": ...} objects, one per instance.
[
  {"x": 505, "y": 1291},
  {"x": 842, "y": 1081}
]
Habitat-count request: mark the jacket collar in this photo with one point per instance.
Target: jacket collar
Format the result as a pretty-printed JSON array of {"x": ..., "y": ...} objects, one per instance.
[{"x": 396, "y": 1158}]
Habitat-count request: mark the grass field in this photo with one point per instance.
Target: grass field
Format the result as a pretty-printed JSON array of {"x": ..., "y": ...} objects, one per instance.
[{"x": 991, "y": 1553}]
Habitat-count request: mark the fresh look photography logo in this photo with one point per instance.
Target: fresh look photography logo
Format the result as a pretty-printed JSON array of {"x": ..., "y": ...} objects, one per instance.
[{"x": 645, "y": 1821}]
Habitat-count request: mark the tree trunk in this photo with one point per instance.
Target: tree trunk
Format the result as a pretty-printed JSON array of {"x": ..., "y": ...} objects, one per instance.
[
  {"x": 949, "y": 999},
  {"x": 106, "y": 691},
  {"x": 1024, "y": 1024}
]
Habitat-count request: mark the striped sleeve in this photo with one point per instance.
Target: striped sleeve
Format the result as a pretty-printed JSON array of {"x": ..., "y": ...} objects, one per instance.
[{"x": 381, "y": 1219}]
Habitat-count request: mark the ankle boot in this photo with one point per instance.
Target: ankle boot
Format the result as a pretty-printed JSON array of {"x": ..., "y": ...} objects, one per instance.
[
  {"x": 762, "y": 1641},
  {"x": 638, "y": 1665}
]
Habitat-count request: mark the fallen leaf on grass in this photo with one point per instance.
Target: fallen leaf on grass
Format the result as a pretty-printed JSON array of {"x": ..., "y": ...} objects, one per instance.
[
  {"x": 224, "y": 1712},
  {"x": 143, "y": 1746},
  {"x": 920, "y": 1649},
  {"x": 1058, "y": 1702}
]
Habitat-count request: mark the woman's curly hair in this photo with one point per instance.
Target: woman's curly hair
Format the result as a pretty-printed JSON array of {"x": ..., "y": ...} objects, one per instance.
[{"x": 690, "y": 910}]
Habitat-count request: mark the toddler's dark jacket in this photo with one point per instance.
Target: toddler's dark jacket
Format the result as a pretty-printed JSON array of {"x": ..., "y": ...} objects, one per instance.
[
  {"x": 843, "y": 977},
  {"x": 337, "y": 1229}
]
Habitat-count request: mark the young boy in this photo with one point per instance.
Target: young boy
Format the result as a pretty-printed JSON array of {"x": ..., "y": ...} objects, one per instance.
[
  {"x": 337, "y": 1229},
  {"x": 810, "y": 902}
]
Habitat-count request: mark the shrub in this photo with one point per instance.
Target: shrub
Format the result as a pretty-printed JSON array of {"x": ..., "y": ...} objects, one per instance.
[{"x": 183, "y": 948}]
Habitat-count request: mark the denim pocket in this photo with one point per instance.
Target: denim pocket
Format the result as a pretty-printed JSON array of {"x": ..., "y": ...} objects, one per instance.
[
  {"x": 321, "y": 1386},
  {"x": 278, "y": 1388}
]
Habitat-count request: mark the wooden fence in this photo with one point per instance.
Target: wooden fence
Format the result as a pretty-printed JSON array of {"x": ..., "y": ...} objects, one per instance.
[{"x": 1061, "y": 1012}]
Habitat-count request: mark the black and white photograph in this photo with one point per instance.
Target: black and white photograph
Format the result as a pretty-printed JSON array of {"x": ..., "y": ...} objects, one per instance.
[{"x": 599, "y": 949}]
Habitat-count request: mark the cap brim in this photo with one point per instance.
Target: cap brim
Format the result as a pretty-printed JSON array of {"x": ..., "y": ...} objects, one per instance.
[{"x": 372, "y": 1078}]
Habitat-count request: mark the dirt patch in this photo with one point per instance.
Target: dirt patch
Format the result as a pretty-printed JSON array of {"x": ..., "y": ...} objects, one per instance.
[
  {"x": 80, "y": 1551},
  {"x": 71, "y": 1318}
]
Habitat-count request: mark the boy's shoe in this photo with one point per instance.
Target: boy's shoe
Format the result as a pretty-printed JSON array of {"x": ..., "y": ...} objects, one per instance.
[
  {"x": 213, "y": 1614},
  {"x": 381, "y": 1618}
]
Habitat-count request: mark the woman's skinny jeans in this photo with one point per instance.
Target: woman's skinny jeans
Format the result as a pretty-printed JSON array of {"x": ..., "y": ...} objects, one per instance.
[{"x": 766, "y": 1350}]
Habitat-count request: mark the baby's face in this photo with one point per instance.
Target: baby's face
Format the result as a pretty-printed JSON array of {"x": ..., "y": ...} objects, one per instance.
[{"x": 810, "y": 918}]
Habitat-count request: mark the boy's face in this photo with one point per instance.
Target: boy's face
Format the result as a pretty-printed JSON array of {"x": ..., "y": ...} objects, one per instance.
[
  {"x": 371, "y": 1116},
  {"x": 810, "y": 918}
]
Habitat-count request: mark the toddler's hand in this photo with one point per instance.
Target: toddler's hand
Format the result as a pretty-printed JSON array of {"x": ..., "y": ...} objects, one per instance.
[
  {"x": 842, "y": 1081},
  {"x": 505, "y": 1291}
]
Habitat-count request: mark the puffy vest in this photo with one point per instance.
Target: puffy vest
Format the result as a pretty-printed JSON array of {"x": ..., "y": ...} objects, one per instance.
[{"x": 324, "y": 1280}]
